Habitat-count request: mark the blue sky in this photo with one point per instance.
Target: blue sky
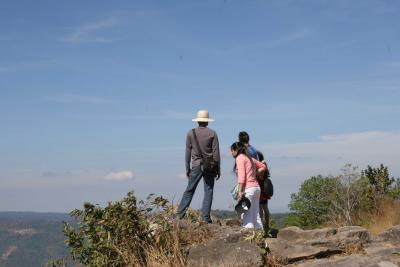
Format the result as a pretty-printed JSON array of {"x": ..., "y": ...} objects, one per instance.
[{"x": 96, "y": 97}]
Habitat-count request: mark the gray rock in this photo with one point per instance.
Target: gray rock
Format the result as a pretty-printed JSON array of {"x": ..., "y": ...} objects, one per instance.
[
  {"x": 289, "y": 252},
  {"x": 382, "y": 249},
  {"x": 225, "y": 253},
  {"x": 232, "y": 222},
  {"x": 376, "y": 254},
  {"x": 383, "y": 257},
  {"x": 297, "y": 234},
  {"x": 348, "y": 261},
  {"x": 291, "y": 233},
  {"x": 387, "y": 264},
  {"x": 326, "y": 237},
  {"x": 294, "y": 244},
  {"x": 297, "y": 247},
  {"x": 354, "y": 232},
  {"x": 350, "y": 235},
  {"x": 392, "y": 234}
]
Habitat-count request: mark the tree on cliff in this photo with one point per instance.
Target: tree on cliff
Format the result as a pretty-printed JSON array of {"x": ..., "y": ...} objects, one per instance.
[
  {"x": 310, "y": 206},
  {"x": 345, "y": 199}
]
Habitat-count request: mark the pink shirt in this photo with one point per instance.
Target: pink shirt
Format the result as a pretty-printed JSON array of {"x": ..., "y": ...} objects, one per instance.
[{"x": 247, "y": 172}]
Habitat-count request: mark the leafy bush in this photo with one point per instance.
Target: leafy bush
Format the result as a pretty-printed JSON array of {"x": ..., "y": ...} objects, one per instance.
[
  {"x": 395, "y": 190},
  {"x": 350, "y": 198},
  {"x": 380, "y": 185},
  {"x": 125, "y": 233},
  {"x": 311, "y": 205}
]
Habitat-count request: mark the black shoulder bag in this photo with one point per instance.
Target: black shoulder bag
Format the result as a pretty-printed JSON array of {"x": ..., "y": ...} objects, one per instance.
[
  {"x": 268, "y": 186},
  {"x": 208, "y": 165}
]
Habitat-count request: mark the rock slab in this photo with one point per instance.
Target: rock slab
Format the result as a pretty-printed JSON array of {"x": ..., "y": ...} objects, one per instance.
[{"x": 222, "y": 253}]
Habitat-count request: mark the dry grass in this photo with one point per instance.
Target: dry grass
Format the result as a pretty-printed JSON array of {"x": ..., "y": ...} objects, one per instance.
[
  {"x": 170, "y": 255},
  {"x": 357, "y": 248},
  {"x": 388, "y": 215},
  {"x": 271, "y": 261},
  {"x": 175, "y": 240}
]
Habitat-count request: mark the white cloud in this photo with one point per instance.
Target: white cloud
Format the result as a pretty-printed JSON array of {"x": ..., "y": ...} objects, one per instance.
[
  {"x": 330, "y": 152},
  {"x": 119, "y": 176},
  {"x": 292, "y": 163},
  {"x": 362, "y": 145},
  {"x": 90, "y": 32}
]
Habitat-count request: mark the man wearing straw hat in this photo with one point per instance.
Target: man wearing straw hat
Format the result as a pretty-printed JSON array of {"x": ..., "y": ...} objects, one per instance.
[{"x": 202, "y": 149}]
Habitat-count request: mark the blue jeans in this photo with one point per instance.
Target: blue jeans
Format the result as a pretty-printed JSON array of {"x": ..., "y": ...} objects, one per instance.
[{"x": 194, "y": 179}]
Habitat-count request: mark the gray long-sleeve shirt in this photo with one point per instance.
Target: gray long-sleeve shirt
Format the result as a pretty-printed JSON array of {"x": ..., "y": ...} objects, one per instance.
[{"x": 208, "y": 141}]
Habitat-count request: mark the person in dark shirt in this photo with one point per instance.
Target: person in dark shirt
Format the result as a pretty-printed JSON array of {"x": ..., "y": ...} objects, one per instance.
[
  {"x": 245, "y": 139},
  {"x": 264, "y": 211},
  {"x": 208, "y": 144}
]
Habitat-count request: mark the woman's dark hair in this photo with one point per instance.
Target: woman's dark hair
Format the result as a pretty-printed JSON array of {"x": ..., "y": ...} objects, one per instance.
[
  {"x": 260, "y": 156},
  {"x": 241, "y": 149},
  {"x": 244, "y": 137}
]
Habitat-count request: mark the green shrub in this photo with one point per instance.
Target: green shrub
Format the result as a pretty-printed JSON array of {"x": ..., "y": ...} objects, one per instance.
[
  {"x": 345, "y": 199},
  {"x": 310, "y": 206},
  {"x": 125, "y": 233}
]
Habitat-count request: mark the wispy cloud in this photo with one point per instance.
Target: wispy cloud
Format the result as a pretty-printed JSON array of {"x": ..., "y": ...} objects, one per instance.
[
  {"x": 394, "y": 64},
  {"x": 156, "y": 115},
  {"x": 291, "y": 37},
  {"x": 28, "y": 65},
  {"x": 330, "y": 151},
  {"x": 50, "y": 174},
  {"x": 292, "y": 163},
  {"x": 296, "y": 35},
  {"x": 370, "y": 85},
  {"x": 283, "y": 40},
  {"x": 172, "y": 114},
  {"x": 95, "y": 32},
  {"x": 119, "y": 176},
  {"x": 72, "y": 98}
]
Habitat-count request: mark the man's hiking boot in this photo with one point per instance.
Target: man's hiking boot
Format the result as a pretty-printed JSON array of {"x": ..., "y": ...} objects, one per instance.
[{"x": 209, "y": 221}]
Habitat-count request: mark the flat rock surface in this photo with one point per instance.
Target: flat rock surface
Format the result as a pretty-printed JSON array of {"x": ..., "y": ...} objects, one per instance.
[
  {"x": 340, "y": 247},
  {"x": 382, "y": 253},
  {"x": 383, "y": 257},
  {"x": 392, "y": 234},
  {"x": 220, "y": 253},
  {"x": 288, "y": 252}
]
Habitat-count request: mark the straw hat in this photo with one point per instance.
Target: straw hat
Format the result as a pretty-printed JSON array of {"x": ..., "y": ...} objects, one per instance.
[{"x": 203, "y": 116}]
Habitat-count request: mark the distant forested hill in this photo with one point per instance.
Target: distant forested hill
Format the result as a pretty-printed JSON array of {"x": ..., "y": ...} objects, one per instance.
[{"x": 31, "y": 239}]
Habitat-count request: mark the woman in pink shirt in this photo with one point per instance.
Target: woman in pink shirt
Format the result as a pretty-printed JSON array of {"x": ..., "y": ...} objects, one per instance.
[{"x": 247, "y": 169}]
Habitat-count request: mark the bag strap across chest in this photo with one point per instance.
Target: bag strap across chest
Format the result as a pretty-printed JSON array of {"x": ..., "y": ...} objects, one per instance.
[{"x": 197, "y": 143}]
